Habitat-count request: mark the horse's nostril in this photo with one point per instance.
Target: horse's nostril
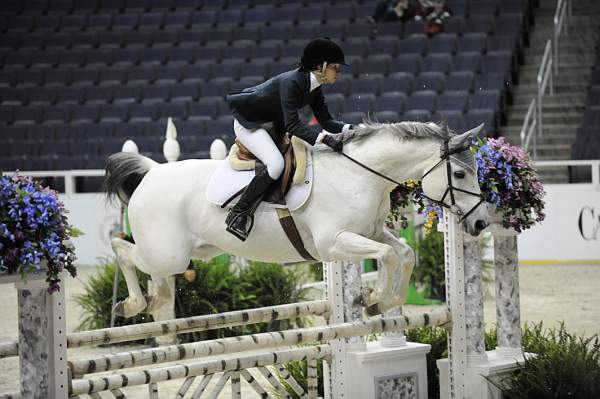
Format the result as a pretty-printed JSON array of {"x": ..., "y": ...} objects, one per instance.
[{"x": 480, "y": 225}]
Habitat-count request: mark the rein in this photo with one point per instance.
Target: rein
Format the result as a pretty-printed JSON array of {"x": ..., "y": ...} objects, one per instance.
[{"x": 450, "y": 189}]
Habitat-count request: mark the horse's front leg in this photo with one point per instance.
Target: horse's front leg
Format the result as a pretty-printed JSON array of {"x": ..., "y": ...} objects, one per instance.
[
  {"x": 348, "y": 245},
  {"x": 393, "y": 278}
]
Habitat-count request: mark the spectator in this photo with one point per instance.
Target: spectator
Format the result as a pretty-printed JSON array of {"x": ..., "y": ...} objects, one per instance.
[
  {"x": 387, "y": 10},
  {"x": 434, "y": 13}
]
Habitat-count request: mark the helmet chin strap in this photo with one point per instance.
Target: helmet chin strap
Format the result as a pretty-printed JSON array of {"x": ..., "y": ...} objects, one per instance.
[{"x": 320, "y": 73}]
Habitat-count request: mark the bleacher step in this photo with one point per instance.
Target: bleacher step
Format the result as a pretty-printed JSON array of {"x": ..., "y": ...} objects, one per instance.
[
  {"x": 559, "y": 87},
  {"x": 548, "y": 117},
  {"x": 565, "y": 77},
  {"x": 552, "y": 129},
  {"x": 572, "y": 106},
  {"x": 564, "y": 61},
  {"x": 557, "y": 99}
]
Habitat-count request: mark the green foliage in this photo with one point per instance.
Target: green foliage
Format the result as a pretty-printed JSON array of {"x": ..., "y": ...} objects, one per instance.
[
  {"x": 298, "y": 370},
  {"x": 430, "y": 270},
  {"x": 96, "y": 300},
  {"x": 437, "y": 338},
  {"x": 566, "y": 366},
  {"x": 216, "y": 289}
]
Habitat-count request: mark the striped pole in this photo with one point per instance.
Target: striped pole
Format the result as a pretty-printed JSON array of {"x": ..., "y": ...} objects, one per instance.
[{"x": 192, "y": 350}]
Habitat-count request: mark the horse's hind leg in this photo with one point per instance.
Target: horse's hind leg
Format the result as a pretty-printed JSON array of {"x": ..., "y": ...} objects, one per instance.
[
  {"x": 135, "y": 302},
  {"x": 162, "y": 293}
]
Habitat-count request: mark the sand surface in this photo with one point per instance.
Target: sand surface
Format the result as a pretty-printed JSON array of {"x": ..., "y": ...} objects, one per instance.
[{"x": 548, "y": 293}]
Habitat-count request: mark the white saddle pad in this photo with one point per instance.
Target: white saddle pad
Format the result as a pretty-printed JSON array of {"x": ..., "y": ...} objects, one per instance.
[{"x": 226, "y": 181}]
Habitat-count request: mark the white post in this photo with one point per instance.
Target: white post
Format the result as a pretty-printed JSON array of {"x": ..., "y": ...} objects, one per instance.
[
  {"x": 474, "y": 301},
  {"x": 508, "y": 310},
  {"x": 455, "y": 300},
  {"x": 42, "y": 340},
  {"x": 342, "y": 287}
]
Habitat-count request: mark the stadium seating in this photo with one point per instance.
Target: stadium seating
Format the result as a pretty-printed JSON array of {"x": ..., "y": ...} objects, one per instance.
[{"x": 100, "y": 72}]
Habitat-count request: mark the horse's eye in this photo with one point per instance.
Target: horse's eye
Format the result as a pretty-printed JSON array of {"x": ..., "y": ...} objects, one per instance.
[{"x": 459, "y": 174}]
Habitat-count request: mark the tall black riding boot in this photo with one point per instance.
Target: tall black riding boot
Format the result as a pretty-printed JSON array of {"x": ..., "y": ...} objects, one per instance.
[{"x": 241, "y": 217}]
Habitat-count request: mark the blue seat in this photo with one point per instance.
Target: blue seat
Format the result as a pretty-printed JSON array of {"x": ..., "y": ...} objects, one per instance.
[
  {"x": 414, "y": 27},
  {"x": 203, "y": 18},
  {"x": 278, "y": 31},
  {"x": 57, "y": 115},
  {"x": 481, "y": 23},
  {"x": 478, "y": 116},
  {"x": 177, "y": 111},
  {"x": 354, "y": 117},
  {"x": 70, "y": 95},
  {"x": 42, "y": 96},
  {"x": 125, "y": 21},
  {"x": 333, "y": 28},
  {"x": 391, "y": 101},
  {"x": 408, "y": 63},
  {"x": 230, "y": 18},
  {"x": 460, "y": 80},
  {"x": 196, "y": 73},
  {"x": 73, "y": 22},
  {"x": 169, "y": 74},
  {"x": 177, "y": 20},
  {"x": 443, "y": 43},
  {"x": 113, "y": 76},
  {"x": 416, "y": 115},
  {"x": 422, "y": 100},
  {"x": 375, "y": 64},
  {"x": 387, "y": 116},
  {"x": 155, "y": 94},
  {"x": 399, "y": 82},
  {"x": 454, "y": 119},
  {"x": 359, "y": 103},
  {"x": 387, "y": 45},
  {"x": 452, "y": 101},
  {"x": 84, "y": 114},
  {"x": 257, "y": 17},
  {"x": 436, "y": 63},
  {"x": 143, "y": 112},
  {"x": 205, "y": 107},
  {"x": 413, "y": 44},
  {"x": 367, "y": 84},
  {"x": 184, "y": 93},
  {"x": 489, "y": 99},
  {"x": 151, "y": 20},
  {"x": 126, "y": 94},
  {"x": 472, "y": 42},
  {"x": 356, "y": 46},
  {"x": 335, "y": 104},
  {"x": 483, "y": 8},
  {"x": 98, "y": 22},
  {"x": 142, "y": 74},
  {"x": 490, "y": 82},
  {"x": 98, "y": 95},
  {"x": 454, "y": 24},
  {"x": 214, "y": 88},
  {"x": 285, "y": 15},
  {"x": 496, "y": 62},
  {"x": 470, "y": 61},
  {"x": 113, "y": 114},
  {"x": 434, "y": 81},
  {"x": 311, "y": 15}
]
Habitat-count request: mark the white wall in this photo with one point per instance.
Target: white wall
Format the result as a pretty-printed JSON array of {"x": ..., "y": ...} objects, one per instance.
[
  {"x": 571, "y": 231},
  {"x": 97, "y": 219}
]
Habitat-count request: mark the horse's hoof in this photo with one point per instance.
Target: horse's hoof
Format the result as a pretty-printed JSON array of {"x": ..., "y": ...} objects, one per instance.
[
  {"x": 119, "y": 309},
  {"x": 128, "y": 309},
  {"x": 372, "y": 310}
]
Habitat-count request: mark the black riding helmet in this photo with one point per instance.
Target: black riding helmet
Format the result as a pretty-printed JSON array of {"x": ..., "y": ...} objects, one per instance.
[{"x": 321, "y": 50}]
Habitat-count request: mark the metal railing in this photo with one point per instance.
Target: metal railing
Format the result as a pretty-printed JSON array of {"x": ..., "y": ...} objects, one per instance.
[
  {"x": 560, "y": 23},
  {"x": 544, "y": 77},
  {"x": 528, "y": 131}
]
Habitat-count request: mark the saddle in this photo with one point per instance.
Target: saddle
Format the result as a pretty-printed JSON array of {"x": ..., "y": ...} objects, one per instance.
[
  {"x": 295, "y": 161},
  {"x": 294, "y": 156}
]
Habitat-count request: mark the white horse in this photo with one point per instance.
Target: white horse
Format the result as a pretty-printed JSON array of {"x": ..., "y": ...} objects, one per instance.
[{"x": 343, "y": 219}]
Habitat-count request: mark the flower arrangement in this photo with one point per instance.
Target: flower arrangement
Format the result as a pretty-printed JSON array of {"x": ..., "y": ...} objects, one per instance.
[
  {"x": 33, "y": 229},
  {"x": 507, "y": 181}
]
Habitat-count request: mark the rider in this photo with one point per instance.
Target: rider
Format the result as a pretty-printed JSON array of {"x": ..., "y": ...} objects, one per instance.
[{"x": 264, "y": 113}]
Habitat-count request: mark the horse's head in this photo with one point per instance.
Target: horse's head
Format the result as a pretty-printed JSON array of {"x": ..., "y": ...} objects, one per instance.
[{"x": 451, "y": 181}]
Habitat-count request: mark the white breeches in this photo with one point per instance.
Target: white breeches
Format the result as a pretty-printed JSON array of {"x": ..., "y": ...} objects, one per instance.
[{"x": 262, "y": 146}]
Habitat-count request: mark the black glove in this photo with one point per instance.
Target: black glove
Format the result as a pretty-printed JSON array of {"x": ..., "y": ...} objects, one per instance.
[{"x": 335, "y": 144}]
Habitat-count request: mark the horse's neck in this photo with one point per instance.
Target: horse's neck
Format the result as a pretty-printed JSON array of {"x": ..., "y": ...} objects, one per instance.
[{"x": 399, "y": 160}]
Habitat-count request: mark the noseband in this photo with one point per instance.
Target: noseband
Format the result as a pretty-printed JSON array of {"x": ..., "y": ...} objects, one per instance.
[{"x": 450, "y": 189}]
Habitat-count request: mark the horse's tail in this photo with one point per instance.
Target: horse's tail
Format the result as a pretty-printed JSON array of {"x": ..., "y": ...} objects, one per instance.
[{"x": 124, "y": 172}]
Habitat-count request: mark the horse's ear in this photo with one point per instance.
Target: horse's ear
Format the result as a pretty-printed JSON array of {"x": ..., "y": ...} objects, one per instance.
[{"x": 463, "y": 140}]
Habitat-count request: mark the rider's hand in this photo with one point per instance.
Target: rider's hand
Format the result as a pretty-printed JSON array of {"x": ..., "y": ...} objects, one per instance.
[{"x": 333, "y": 142}]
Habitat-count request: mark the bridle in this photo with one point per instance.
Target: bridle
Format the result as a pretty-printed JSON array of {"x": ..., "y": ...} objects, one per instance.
[{"x": 450, "y": 189}]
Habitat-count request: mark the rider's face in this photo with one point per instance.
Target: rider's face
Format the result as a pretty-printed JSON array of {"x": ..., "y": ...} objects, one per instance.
[{"x": 331, "y": 72}]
